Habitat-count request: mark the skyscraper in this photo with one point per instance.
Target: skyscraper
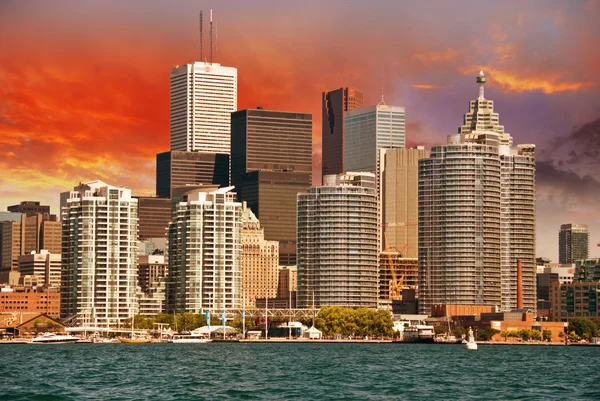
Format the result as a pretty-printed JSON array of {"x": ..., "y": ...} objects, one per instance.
[
  {"x": 573, "y": 243},
  {"x": 154, "y": 215},
  {"x": 205, "y": 269},
  {"x": 99, "y": 258},
  {"x": 477, "y": 215},
  {"x": 334, "y": 104},
  {"x": 338, "y": 242},
  {"x": 271, "y": 162},
  {"x": 398, "y": 194},
  {"x": 203, "y": 96},
  {"x": 29, "y": 208},
  {"x": 368, "y": 129},
  {"x": 176, "y": 169},
  {"x": 260, "y": 260}
]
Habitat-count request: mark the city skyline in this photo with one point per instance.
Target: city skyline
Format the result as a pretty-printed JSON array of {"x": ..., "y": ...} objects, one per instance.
[{"x": 68, "y": 99}]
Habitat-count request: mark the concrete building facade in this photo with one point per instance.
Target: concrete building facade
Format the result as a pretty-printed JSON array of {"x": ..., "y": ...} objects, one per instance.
[
  {"x": 573, "y": 243},
  {"x": 334, "y": 104},
  {"x": 203, "y": 96},
  {"x": 29, "y": 208},
  {"x": 154, "y": 215},
  {"x": 338, "y": 243},
  {"x": 477, "y": 216},
  {"x": 44, "y": 265},
  {"x": 205, "y": 247},
  {"x": 260, "y": 261},
  {"x": 99, "y": 258},
  {"x": 152, "y": 280}
]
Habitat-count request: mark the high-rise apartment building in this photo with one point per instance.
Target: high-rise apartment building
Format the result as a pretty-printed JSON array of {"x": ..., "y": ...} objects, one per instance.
[
  {"x": 175, "y": 169},
  {"x": 99, "y": 258},
  {"x": 398, "y": 194},
  {"x": 334, "y": 104},
  {"x": 271, "y": 162},
  {"x": 205, "y": 269},
  {"x": 338, "y": 242},
  {"x": 260, "y": 261},
  {"x": 477, "y": 216},
  {"x": 203, "y": 96},
  {"x": 573, "y": 243},
  {"x": 44, "y": 265},
  {"x": 154, "y": 215},
  {"x": 368, "y": 129},
  {"x": 29, "y": 208}
]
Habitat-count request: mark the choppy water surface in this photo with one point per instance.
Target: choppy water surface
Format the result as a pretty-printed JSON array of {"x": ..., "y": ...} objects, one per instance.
[{"x": 296, "y": 371}]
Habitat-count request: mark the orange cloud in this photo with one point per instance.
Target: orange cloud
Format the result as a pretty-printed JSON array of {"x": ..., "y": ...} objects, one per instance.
[
  {"x": 548, "y": 83},
  {"x": 427, "y": 86}
]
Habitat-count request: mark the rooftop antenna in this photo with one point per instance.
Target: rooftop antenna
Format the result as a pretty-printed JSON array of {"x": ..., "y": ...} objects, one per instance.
[
  {"x": 382, "y": 101},
  {"x": 211, "y": 36},
  {"x": 481, "y": 81},
  {"x": 216, "y": 40},
  {"x": 201, "y": 53}
]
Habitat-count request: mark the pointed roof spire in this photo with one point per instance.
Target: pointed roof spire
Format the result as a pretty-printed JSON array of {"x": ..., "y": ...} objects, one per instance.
[{"x": 481, "y": 81}]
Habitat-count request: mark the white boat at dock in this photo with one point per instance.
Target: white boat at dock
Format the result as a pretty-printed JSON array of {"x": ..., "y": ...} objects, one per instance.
[{"x": 52, "y": 338}]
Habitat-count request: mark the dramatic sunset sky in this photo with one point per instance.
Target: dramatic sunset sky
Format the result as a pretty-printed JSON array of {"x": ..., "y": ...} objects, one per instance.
[{"x": 84, "y": 86}]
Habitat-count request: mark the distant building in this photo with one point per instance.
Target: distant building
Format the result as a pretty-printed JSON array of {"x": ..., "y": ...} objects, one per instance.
[
  {"x": 406, "y": 272},
  {"x": 334, "y": 104},
  {"x": 152, "y": 278},
  {"x": 573, "y": 243},
  {"x": 337, "y": 242},
  {"x": 177, "y": 168},
  {"x": 205, "y": 249},
  {"x": 203, "y": 96},
  {"x": 10, "y": 250},
  {"x": 399, "y": 197},
  {"x": 477, "y": 216},
  {"x": 368, "y": 129},
  {"x": 154, "y": 215},
  {"x": 288, "y": 281},
  {"x": 271, "y": 162},
  {"x": 44, "y": 265},
  {"x": 577, "y": 299},
  {"x": 99, "y": 258},
  {"x": 29, "y": 208},
  {"x": 260, "y": 260},
  {"x": 27, "y": 299}
]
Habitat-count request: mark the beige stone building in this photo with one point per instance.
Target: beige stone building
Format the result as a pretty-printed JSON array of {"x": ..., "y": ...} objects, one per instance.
[
  {"x": 260, "y": 261},
  {"x": 399, "y": 193},
  {"x": 288, "y": 281},
  {"x": 44, "y": 265}
]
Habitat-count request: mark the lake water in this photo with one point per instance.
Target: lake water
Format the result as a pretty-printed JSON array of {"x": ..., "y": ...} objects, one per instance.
[{"x": 275, "y": 371}]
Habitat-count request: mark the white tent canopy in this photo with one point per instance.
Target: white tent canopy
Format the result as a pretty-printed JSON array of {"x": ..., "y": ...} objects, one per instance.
[
  {"x": 204, "y": 330},
  {"x": 313, "y": 333}
]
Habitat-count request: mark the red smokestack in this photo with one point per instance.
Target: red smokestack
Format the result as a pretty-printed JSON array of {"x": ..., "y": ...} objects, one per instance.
[{"x": 519, "y": 284}]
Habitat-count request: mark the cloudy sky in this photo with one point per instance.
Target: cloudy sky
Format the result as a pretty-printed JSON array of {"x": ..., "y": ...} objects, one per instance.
[{"x": 84, "y": 86}]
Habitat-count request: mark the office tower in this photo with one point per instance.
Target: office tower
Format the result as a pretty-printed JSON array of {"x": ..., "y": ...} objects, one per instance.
[
  {"x": 288, "y": 282},
  {"x": 260, "y": 260},
  {"x": 29, "y": 208},
  {"x": 398, "y": 194},
  {"x": 203, "y": 96},
  {"x": 205, "y": 268},
  {"x": 10, "y": 243},
  {"x": 368, "y": 129},
  {"x": 337, "y": 242},
  {"x": 477, "y": 216},
  {"x": 154, "y": 215},
  {"x": 99, "y": 271},
  {"x": 152, "y": 279},
  {"x": 41, "y": 231},
  {"x": 175, "y": 169},
  {"x": 573, "y": 243},
  {"x": 271, "y": 162},
  {"x": 44, "y": 265},
  {"x": 334, "y": 104}
]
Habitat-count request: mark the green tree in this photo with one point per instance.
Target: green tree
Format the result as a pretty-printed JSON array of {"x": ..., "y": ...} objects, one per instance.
[
  {"x": 547, "y": 335},
  {"x": 486, "y": 333},
  {"x": 459, "y": 331},
  {"x": 561, "y": 334},
  {"x": 584, "y": 327},
  {"x": 573, "y": 336},
  {"x": 535, "y": 334},
  {"x": 186, "y": 322}
]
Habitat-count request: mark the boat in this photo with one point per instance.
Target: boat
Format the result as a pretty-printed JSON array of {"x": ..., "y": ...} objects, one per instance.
[
  {"x": 471, "y": 344},
  {"x": 52, "y": 338},
  {"x": 136, "y": 340},
  {"x": 420, "y": 334},
  {"x": 187, "y": 338},
  {"x": 447, "y": 339}
]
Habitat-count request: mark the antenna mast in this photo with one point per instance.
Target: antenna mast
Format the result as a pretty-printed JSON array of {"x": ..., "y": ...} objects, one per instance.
[
  {"x": 201, "y": 54},
  {"x": 216, "y": 40},
  {"x": 211, "y": 37}
]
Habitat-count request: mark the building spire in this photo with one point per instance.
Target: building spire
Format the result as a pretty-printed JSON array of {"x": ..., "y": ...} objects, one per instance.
[{"x": 481, "y": 81}]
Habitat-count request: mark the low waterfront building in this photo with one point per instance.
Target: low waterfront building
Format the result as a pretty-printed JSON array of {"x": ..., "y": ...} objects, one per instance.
[
  {"x": 577, "y": 299},
  {"x": 29, "y": 324},
  {"x": 21, "y": 299}
]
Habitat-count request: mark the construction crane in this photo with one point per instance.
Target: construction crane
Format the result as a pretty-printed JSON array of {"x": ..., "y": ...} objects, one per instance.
[{"x": 395, "y": 285}]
